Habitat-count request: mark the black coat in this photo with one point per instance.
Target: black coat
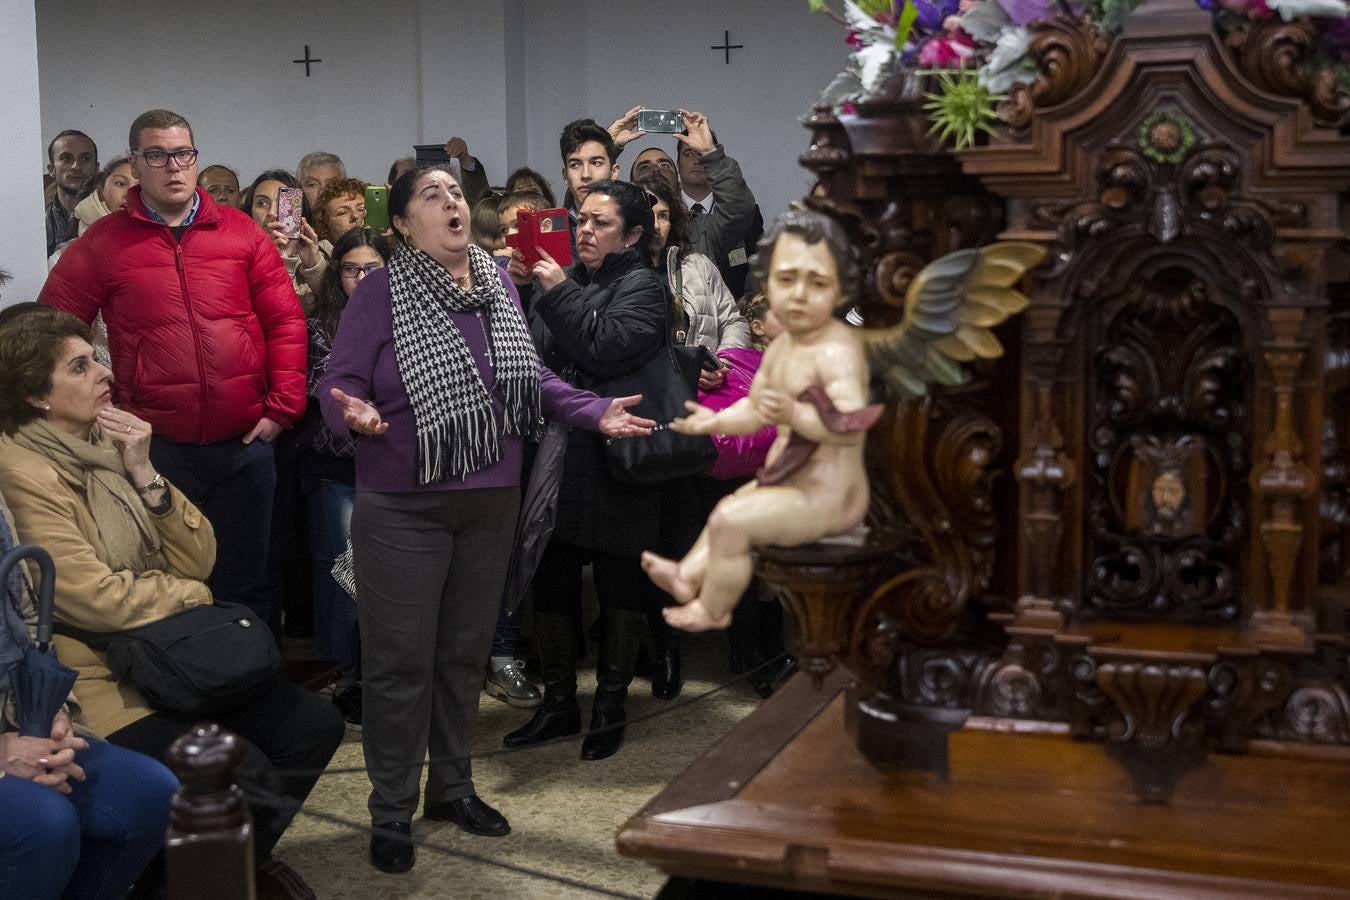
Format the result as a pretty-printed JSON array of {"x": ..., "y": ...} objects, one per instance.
[{"x": 591, "y": 329}]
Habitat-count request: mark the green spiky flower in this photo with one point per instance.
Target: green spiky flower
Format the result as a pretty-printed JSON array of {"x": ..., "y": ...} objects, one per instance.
[
  {"x": 961, "y": 107},
  {"x": 1166, "y": 136}
]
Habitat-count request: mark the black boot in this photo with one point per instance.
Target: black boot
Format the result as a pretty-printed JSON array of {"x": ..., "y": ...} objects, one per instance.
[
  {"x": 614, "y": 672},
  {"x": 558, "y": 714},
  {"x": 666, "y": 680}
]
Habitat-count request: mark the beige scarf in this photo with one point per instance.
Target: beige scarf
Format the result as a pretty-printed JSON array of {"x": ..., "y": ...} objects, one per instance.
[{"x": 95, "y": 467}]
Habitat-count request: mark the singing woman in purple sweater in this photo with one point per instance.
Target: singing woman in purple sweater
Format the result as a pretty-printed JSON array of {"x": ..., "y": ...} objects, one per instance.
[{"x": 434, "y": 372}]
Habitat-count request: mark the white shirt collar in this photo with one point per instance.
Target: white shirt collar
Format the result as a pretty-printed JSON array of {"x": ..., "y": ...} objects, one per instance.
[{"x": 707, "y": 202}]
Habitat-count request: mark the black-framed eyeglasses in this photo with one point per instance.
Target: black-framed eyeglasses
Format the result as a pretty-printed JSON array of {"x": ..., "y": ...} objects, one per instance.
[
  {"x": 352, "y": 270},
  {"x": 158, "y": 159}
]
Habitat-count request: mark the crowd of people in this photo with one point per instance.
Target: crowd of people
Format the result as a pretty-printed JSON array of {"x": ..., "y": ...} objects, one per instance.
[{"x": 198, "y": 383}]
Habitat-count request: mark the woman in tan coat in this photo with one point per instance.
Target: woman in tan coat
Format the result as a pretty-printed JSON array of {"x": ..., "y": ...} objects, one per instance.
[{"x": 130, "y": 549}]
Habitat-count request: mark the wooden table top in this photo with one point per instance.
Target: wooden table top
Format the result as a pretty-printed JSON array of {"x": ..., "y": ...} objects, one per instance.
[{"x": 788, "y": 801}]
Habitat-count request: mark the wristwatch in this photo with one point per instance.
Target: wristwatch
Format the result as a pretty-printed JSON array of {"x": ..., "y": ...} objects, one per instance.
[{"x": 155, "y": 484}]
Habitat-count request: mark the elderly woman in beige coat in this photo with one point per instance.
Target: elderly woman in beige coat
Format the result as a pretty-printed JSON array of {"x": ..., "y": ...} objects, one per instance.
[{"x": 131, "y": 549}]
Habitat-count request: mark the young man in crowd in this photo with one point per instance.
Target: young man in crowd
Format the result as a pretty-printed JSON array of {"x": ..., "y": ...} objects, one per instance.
[
  {"x": 207, "y": 340},
  {"x": 589, "y": 154},
  {"x": 72, "y": 159}
]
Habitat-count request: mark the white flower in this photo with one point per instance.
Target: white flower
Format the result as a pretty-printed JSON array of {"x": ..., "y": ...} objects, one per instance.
[
  {"x": 1292, "y": 9},
  {"x": 1007, "y": 65},
  {"x": 872, "y": 61}
]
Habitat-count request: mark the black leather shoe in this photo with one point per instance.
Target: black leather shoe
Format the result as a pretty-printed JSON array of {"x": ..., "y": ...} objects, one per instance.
[
  {"x": 391, "y": 847},
  {"x": 666, "y": 681},
  {"x": 471, "y": 814},
  {"x": 548, "y": 722}
]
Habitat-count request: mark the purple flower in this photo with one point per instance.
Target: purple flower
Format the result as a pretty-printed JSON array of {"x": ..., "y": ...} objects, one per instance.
[
  {"x": 1206, "y": 5},
  {"x": 932, "y": 13},
  {"x": 1024, "y": 12},
  {"x": 1334, "y": 35}
]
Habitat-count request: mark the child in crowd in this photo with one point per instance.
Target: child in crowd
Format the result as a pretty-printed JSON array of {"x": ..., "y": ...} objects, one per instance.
[
  {"x": 740, "y": 456},
  {"x": 484, "y": 229}
]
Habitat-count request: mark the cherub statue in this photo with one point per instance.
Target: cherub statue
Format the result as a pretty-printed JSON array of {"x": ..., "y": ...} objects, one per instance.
[{"x": 814, "y": 384}]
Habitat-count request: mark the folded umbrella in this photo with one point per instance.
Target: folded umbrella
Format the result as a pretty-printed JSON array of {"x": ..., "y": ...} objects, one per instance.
[
  {"x": 538, "y": 514},
  {"x": 39, "y": 683}
]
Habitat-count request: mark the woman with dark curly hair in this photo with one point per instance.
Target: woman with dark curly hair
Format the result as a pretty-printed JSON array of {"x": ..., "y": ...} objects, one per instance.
[{"x": 600, "y": 319}]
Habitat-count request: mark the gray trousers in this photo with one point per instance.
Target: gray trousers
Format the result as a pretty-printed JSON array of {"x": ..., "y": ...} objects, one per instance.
[{"x": 430, "y": 568}]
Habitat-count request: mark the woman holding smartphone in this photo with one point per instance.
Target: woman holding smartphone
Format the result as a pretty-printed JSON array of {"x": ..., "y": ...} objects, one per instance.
[
  {"x": 434, "y": 376},
  {"x": 600, "y": 319},
  {"x": 299, "y": 251}
]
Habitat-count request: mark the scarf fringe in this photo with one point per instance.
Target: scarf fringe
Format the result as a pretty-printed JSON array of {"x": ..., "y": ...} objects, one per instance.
[{"x": 458, "y": 447}]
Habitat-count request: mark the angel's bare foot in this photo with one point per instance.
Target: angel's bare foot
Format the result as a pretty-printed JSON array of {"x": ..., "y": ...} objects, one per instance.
[
  {"x": 694, "y": 616},
  {"x": 665, "y": 574}
]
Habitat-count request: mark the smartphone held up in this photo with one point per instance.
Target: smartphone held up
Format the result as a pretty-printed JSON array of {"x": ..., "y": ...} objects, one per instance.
[
  {"x": 377, "y": 208},
  {"x": 660, "y": 121},
  {"x": 290, "y": 205},
  {"x": 546, "y": 228}
]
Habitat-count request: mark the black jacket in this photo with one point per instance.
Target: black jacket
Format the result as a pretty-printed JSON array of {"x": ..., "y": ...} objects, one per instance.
[{"x": 591, "y": 329}]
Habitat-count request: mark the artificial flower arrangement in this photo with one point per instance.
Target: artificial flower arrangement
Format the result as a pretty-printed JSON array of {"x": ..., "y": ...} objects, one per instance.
[{"x": 975, "y": 50}]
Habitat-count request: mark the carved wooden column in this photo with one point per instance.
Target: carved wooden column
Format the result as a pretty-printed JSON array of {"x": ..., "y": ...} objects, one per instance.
[
  {"x": 209, "y": 848},
  {"x": 1284, "y": 484},
  {"x": 1045, "y": 473}
]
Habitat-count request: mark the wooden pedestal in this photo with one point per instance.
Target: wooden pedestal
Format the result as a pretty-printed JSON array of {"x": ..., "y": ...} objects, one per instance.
[{"x": 787, "y": 801}]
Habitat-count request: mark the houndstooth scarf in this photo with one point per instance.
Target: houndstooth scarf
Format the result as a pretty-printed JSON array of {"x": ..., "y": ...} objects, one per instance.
[{"x": 457, "y": 428}]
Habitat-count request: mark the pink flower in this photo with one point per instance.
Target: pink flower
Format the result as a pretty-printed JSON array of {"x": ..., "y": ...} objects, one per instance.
[
  {"x": 946, "y": 52},
  {"x": 847, "y": 108},
  {"x": 853, "y": 40}
]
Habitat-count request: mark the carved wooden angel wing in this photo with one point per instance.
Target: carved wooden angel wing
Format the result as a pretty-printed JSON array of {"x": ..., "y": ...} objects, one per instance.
[{"x": 951, "y": 309}]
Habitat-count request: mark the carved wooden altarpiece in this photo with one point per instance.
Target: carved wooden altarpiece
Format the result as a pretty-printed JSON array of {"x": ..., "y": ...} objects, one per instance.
[{"x": 1124, "y": 539}]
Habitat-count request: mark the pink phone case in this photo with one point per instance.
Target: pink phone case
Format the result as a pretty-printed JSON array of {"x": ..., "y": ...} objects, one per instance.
[{"x": 289, "y": 204}]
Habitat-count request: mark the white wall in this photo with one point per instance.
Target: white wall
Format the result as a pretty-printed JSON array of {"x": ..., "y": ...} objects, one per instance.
[
  {"x": 506, "y": 75},
  {"x": 23, "y": 242},
  {"x": 228, "y": 70},
  {"x": 656, "y": 54}
]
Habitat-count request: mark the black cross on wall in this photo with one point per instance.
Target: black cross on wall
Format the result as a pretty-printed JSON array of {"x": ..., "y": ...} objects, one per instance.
[
  {"x": 307, "y": 60},
  {"x": 727, "y": 46}
]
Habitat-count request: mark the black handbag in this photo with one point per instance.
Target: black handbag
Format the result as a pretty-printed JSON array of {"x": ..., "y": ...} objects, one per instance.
[
  {"x": 203, "y": 660},
  {"x": 666, "y": 382}
]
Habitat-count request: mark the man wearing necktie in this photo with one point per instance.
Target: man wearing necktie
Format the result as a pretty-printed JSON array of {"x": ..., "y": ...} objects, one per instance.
[{"x": 721, "y": 206}]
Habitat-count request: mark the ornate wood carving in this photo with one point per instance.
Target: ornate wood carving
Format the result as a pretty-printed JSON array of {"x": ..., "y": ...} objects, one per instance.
[
  {"x": 1068, "y": 52},
  {"x": 940, "y": 483},
  {"x": 1144, "y": 574},
  {"x": 1045, "y": 473},
  {"x": 1277, "y": 55},
  {"x": 1282, "y": 485},
  {"x": 1169, "y": 446},
  {"x": 1155, "y": 736},
  {"x": 1317, "y": 713}
]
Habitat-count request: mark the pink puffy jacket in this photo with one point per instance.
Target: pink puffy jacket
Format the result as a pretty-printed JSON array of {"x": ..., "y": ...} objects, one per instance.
[{"x": 738, "y": 456}]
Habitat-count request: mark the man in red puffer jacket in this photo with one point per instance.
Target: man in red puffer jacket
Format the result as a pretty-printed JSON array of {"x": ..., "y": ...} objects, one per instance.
[{"x": 207, "y": 342}]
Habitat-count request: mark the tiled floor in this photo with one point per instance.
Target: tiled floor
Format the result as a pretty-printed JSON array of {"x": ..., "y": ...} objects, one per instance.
[{"x": 564, "y": 812}]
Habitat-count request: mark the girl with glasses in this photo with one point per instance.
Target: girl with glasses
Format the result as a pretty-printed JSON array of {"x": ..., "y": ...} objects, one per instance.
[{"x": 331, "y": 481}]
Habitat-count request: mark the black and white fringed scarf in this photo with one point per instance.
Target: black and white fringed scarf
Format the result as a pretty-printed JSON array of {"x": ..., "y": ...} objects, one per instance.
[{"x": 457, "y": 429}]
